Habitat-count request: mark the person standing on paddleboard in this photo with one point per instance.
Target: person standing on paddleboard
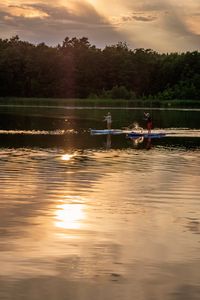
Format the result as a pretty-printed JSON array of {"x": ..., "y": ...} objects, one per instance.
[
  {"x": 149, "y": 122},
  {"x": 108, "y": 119}
]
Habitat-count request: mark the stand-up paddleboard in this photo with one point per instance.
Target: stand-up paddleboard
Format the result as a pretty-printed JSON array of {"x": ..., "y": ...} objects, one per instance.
[
  {"x": 146, "y": 135},
  {"x": 108, "y": 131}
]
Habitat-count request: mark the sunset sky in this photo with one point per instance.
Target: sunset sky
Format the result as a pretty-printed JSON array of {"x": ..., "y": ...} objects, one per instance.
[{"x": 162, "y": 25}]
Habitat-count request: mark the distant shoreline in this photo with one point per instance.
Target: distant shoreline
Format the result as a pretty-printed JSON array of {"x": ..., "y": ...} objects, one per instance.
[
  {"x": 99, "y": 103},
  {"x": 100, "y": 107}
]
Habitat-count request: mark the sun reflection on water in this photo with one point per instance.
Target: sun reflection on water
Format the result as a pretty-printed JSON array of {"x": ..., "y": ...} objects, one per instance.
[
  {"x": 67, "y": 157},
  {"x": 69, "y": 216}
]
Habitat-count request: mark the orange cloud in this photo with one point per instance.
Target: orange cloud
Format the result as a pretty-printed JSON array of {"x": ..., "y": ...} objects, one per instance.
[
  {"x": 25, "y": 11},
  {"x": 162, "y": 25}
]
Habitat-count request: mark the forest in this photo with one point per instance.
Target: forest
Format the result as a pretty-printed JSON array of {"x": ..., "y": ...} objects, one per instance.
[{"x": 77, "y": 69}]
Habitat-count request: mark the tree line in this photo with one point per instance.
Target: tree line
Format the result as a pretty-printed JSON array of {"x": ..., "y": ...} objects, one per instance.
[{"x": 77, "y": 69}]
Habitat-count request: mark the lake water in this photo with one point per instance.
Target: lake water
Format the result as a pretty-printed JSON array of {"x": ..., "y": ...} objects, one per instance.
[{"x": 87, "y": 217}]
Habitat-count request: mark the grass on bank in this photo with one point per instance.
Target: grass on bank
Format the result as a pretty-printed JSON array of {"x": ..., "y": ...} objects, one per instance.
[{"x": 100, "y": 102}]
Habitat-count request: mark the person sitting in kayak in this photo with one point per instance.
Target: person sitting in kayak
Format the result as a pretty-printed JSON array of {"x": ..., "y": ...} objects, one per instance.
[
  {"x": 149, "y": 122},
  {"x": 108, "y": 119},
  {"x": 134, "y": 127}
]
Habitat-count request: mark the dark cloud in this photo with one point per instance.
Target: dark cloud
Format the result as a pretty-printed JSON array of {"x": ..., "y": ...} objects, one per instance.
[
  {"x": 143, "y": 17},
  {"x": 172, "y": 20},
  {"x": 171, "y": 15},
  {"x": 135, "y": 16},
  {"x": 179, "y": 32},
  {"x": 84, "y": 13},
  {"x": 197, "y": 13},
  {"x": 149, "y": 6},
  {"x": 138, "y": 17},
  {"x": 161, "y": 6},
  {"x": 175, "y": 23},
  {"x": 58, "y": 22},
  {"x": 149, "y": 23}
]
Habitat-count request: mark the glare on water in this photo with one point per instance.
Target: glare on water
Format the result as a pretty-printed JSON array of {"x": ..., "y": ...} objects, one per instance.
[
  {"x": 69, "y": 216},
  {"x": 90, "y": 219}
]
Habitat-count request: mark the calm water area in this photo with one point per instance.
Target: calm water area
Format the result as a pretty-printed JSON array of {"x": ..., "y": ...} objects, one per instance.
[{"x": 102, "y": 217}]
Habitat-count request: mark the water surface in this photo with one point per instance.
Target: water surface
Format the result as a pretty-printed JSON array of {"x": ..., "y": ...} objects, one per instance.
[{"x": 98, "y": 217}]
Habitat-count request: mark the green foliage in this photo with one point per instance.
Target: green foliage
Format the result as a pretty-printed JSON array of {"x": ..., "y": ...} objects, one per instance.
[
  {"x": 121, "y": 92},
  {"x": 77, "y": 69},
  {"x": 186, "y": 89}
]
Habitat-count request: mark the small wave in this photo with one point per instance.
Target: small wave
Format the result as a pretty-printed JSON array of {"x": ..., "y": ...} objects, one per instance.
[
  {"x": 182, "y": 132},
  {"x": 38, "y": 132}
]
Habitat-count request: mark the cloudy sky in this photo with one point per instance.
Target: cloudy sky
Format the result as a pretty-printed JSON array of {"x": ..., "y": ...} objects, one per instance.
[{"x": 162, "y": 25}]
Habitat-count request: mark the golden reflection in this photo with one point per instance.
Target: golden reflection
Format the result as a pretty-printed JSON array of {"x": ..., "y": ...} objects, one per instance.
[
  {"x": 137, "y": 141},
  {"x": 69, "y": 216},
  {"x": 67, "y": 156}
]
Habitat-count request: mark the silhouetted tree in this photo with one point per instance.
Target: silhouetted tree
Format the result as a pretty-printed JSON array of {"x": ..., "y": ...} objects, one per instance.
[{"x": 76, "y": 68}]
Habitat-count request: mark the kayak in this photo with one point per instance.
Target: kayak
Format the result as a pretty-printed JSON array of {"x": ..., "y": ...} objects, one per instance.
[
  {"x": 108, "y": 131},
  {"x": 146, "y": 135}
]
